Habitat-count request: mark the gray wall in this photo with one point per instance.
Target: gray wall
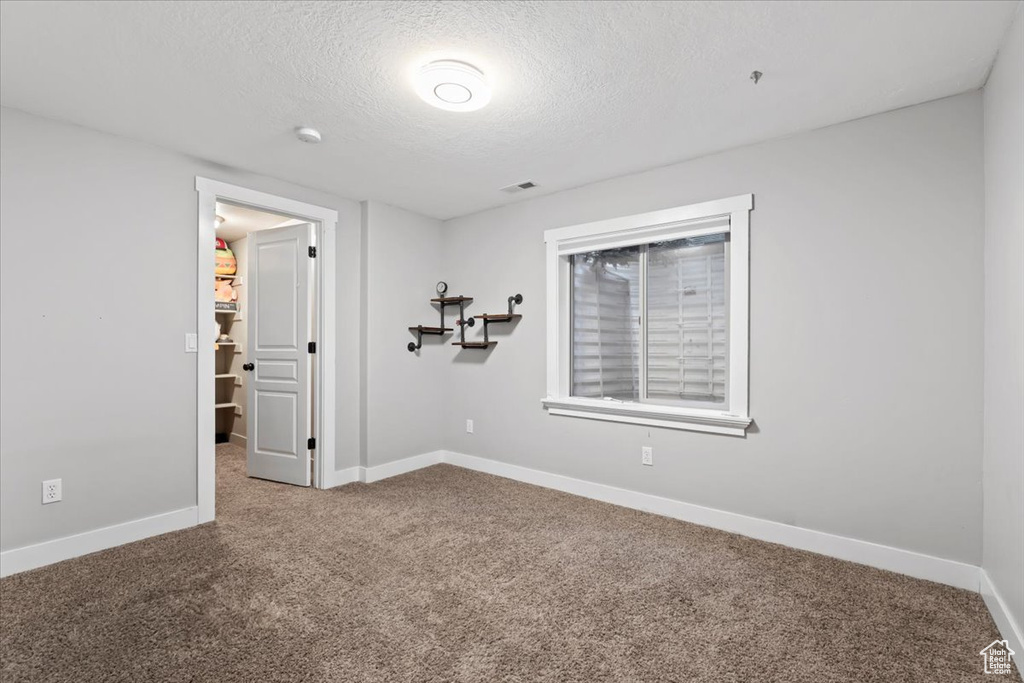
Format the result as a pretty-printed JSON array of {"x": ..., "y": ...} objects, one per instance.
[
  {"x": 865, "y": 334},
  {"x": 97, "y": 289},
  {"x": 1004, "y": 322},
  {"x": 405, "y": 392},
  {"x": 866, "y": 331}
]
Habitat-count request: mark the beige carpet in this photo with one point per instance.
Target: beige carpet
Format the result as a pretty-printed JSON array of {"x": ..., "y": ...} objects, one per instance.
[{"x": 449, "y": 575}]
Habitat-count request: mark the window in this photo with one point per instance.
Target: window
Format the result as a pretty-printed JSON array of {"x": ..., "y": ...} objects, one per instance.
[
  {"x": 605, "y": 324},
  {"x": 648, "y": 318}
]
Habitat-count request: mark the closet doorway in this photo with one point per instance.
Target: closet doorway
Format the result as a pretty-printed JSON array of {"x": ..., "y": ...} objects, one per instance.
[{"x": 265, "y": 371}]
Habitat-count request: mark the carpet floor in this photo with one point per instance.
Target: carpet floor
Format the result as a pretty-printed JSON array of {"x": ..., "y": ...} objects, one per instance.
[{"x": 449, "y": 575}]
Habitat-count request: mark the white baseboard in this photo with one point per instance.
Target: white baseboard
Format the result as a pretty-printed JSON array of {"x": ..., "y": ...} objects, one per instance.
[
  {"x": 388, "y": 469},
  {"x": 32, "y": 556},
  {"x": 918, "y": 565},
  {"x": 1001, "y": 614},
  {"x": 238, "y": 439},
  {"x": 907, "y": 562},
  {"x": 396, "y": 467},
  {"x": 348, "y": 475},
  {"x": 949, "y": 572}
]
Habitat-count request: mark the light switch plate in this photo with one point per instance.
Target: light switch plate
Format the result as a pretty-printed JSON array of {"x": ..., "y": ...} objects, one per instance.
[{"x": 191, "y": 342}]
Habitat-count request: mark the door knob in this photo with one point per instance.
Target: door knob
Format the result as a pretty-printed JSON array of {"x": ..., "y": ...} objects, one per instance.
[{"x": 248, "y": 367}]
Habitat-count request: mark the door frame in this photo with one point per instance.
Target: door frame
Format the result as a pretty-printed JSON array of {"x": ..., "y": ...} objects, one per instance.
[{"x": 325, "y": 223}]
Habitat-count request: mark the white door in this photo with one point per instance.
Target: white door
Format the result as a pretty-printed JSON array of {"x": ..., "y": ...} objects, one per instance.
[{"x": 279, "y": 364}]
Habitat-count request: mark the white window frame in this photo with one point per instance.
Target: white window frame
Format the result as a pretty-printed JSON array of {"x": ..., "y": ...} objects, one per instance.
[{"x": 641, "y": 229}]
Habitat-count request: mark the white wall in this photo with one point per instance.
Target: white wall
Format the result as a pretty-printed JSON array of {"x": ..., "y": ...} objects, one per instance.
[
  {"x": 1004, "y": 325},
  {"x": 866, "y": 334},
  {"x": 97, "y": 289},
  {"x": 405, "y": 392}
]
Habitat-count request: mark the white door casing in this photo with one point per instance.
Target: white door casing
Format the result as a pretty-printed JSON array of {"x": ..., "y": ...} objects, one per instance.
[
  {"x": 209, "y": 192},
  {"x": 278, "y": 382}
]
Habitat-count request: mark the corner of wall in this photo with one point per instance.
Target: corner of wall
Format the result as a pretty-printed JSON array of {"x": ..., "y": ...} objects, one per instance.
[
  {"x": 364, "y": 337},
  {"x": 402, "y": 263},
  {"x": 1003, "y": 442}
]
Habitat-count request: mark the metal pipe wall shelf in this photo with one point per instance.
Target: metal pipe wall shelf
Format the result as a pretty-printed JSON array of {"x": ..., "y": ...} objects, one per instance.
[
  {"x": 463, "y": 322},
  {"x": 447, "y": 300},
  {"x": 475, "y": 345},
  {"x": 421, "y": 330},
  {"x": 489, "y": 318},
  {"x": 498, "y": 317}
]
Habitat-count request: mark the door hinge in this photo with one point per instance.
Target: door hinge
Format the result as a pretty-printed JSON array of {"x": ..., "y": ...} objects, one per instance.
[
  {"x": 311, "y": 443},
  {"x": 311, "y": 347},
  {"x": 312, "y": 252}
]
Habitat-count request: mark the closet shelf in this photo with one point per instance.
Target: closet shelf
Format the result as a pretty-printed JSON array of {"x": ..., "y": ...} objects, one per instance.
[
  {"x": 225, "y": 376},
  {"x": 220, "y": 343},
  {"x": 226, "y": 405},
  {"x": 225, "y": 277},
  {"x": 475, "y": 345}
]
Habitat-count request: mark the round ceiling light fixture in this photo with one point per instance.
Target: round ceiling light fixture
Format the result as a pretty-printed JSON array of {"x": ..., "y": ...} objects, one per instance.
[{"x": 452, "y": 85}]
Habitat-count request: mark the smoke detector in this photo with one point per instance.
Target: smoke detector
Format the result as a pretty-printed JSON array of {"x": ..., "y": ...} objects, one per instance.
[
  {"x": 310, "y": 135},
  {"x": 452, "y": 85},
  {"x": 519, "y": 187}
]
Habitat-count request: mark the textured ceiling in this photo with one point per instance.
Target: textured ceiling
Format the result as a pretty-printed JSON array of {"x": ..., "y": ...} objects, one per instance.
[{"x": 583, "y": 90}]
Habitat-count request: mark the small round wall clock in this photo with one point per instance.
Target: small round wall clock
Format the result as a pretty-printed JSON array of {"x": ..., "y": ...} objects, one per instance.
[{"x": 442, "y": 287}]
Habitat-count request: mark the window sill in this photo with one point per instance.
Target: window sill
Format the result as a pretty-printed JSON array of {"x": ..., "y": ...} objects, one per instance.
[{"x": 692, "y": 419}]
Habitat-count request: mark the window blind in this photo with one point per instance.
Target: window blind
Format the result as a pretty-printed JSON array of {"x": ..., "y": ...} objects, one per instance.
[
  {"x": 683, "y": 333},
  {"x": 605, "y": 320},
  {"x": 687, "y": 319}
]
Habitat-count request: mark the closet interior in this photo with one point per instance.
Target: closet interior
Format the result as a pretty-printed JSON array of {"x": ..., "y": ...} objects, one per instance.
[{"x": 234, "y": 225}]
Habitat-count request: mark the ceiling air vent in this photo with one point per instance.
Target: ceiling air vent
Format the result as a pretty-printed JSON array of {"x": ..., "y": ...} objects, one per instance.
[{"x": 519, "y": 187}]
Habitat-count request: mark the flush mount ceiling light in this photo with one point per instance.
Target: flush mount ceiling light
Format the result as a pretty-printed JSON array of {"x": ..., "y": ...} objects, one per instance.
[{"x": 452, "y": 85}]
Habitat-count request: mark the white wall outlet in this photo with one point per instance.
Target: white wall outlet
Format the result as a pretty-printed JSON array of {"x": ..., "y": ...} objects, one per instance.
[
  {"x": 191, "y": 342},
  {"x": 647, "y": 455},
  {"x": 52, "y": 491},
  {"x": 469, "y": 426}
]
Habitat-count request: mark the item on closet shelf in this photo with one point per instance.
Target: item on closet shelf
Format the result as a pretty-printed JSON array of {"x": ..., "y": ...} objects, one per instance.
[
  {"x": 223, "y": 291},
  {"x": 225, "y": 306},
  {"x": 226, "y": 263}
]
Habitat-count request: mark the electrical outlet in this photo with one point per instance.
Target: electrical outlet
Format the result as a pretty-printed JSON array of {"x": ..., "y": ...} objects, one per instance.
[
  {"x": 469, "y": 426},
  {"x": 52, "y": 491},
  {"x": 647, "y": 455}
]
